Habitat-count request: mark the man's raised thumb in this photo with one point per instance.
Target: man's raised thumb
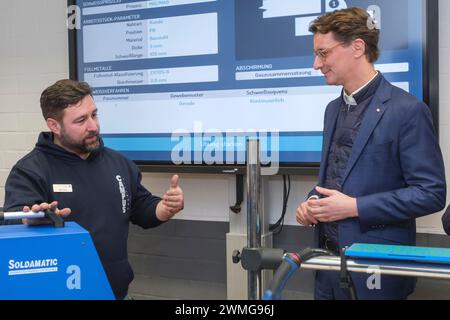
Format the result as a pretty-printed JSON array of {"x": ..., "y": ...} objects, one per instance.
[{"x": 174, "y": 181}]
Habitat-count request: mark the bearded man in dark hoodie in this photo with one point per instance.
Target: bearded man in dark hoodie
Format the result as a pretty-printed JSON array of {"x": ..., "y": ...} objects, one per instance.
[{"x": 71, "y": 172}]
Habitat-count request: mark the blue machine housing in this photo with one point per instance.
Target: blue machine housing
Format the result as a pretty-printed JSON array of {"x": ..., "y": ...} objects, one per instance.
[{"x": 43, "y": 262}]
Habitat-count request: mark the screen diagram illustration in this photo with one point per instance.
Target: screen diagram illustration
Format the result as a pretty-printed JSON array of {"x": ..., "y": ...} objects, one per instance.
[{"x": 305, "y": 11}]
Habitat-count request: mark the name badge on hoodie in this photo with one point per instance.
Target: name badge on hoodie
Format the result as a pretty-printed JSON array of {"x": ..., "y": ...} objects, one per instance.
[{"x": 62, "y": 188}]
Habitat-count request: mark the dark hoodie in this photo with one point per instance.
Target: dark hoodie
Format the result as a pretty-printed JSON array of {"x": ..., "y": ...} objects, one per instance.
[{"x": 106, "y": 194}]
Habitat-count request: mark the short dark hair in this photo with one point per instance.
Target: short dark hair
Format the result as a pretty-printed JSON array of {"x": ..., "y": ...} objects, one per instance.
[
  {"x": 348, "y": 25},
  {"x": 62, "y": 94}
]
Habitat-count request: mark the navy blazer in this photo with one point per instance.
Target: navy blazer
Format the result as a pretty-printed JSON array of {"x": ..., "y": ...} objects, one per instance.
[{"x": 395, "y": 170}]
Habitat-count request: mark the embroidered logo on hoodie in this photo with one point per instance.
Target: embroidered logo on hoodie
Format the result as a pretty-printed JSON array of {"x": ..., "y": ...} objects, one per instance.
[{"x": 123, "y": 193}]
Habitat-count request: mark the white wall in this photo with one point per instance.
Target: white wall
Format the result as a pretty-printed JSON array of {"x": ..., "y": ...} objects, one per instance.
[
  {"x": 432, "y": 224},
  {"x": 34, "y": 54}
]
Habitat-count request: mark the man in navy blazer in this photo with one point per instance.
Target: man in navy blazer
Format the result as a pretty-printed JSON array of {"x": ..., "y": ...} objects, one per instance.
[{"x": 381, "y": 164}]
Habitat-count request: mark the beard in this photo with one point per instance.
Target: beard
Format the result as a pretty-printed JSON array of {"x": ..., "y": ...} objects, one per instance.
[{"x": 86, "y": 145}]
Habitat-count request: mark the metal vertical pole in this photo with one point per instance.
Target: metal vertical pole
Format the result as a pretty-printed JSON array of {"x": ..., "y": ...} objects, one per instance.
[{"x": 253, "y": 212}]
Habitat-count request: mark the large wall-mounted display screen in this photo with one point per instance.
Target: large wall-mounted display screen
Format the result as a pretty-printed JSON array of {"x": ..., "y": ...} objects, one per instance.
[{"x": 187, "y": 81}]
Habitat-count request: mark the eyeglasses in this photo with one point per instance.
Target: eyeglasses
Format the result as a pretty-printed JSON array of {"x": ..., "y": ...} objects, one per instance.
[{"x": 322, "y": 54}]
